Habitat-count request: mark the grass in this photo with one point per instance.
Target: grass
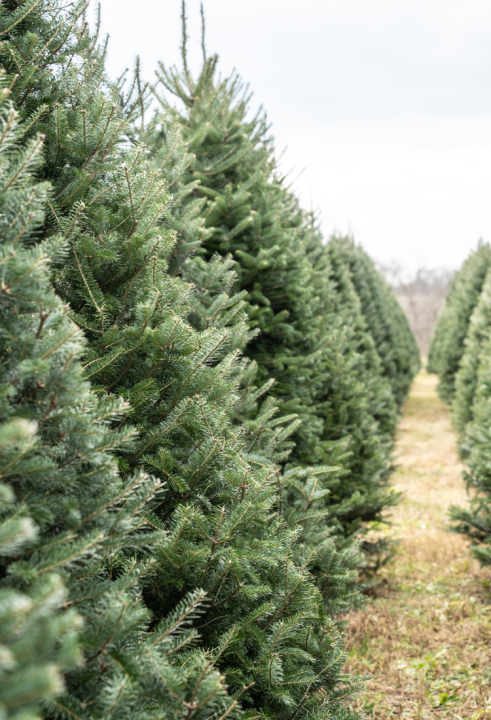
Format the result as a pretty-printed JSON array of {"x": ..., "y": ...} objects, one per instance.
[{"x": 425, "y": 638}]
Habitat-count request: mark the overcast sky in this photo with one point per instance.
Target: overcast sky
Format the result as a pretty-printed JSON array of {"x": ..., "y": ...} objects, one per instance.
[{"x": 384, "y": 104}]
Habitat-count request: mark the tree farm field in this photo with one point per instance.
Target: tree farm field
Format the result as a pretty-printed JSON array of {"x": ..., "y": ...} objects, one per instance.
[{"x": 425, "y": 636}]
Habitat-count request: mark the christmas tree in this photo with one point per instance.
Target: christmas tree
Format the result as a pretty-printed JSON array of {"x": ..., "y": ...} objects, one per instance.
[
  {"x": 220, "y": 528},
  {"x": 460, "y": 353},
  {"x": 472, "y": 415},
  {"x": 467, "y": 379},
  {"x": 371, "y": 411},
  {"x": 302, "y": 346},
  {"x": 75, "y": 631},
  {"x": 348, "y": 306},
  {"x": 217, "y": 302},
  {"x": 385, "y": 319},
  {"x": 448, "y": 343}
]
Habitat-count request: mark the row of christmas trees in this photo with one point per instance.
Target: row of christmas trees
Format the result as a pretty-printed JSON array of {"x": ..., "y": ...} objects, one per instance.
[
  {"x": 460, "y": 354},
  {"x": 198, "y": 399}
]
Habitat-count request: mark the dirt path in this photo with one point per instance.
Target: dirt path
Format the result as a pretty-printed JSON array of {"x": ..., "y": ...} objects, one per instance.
[{"x": 426, "y": 637}]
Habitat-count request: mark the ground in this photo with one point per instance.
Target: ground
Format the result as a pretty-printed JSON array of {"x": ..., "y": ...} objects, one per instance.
[{"x": 425, "y": 638}]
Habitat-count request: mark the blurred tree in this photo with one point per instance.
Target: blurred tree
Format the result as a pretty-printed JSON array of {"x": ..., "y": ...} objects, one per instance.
[{"x": 448, "y": 343}]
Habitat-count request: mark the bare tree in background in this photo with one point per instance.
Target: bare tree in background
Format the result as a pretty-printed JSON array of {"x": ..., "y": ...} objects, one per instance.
[{"x": 422, "y": 296}]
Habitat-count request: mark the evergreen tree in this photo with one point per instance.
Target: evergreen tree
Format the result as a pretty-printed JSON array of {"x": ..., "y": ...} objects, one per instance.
[
  {"x": 280, "y": 309},
  {"x": 471, "y": 411},
  {"x": 302, "y": 346},
  {"x": 220, "y": 527},
  {"x": 266, "y": 440},
  {"x": 371, "y": 408},
  {"x": 38, "y": 642},
  {"x": 348, "y": 306},
  {"x": 385, "y": 319},
  {"x": 448, "y": 343},
  {"x": 476, "y": 344},
  {"x": 475, "y": 520},
  {"x": 463, "y": 332},
  {"x": 216, "y": 301},
  {"x": 70, "y": 526}
]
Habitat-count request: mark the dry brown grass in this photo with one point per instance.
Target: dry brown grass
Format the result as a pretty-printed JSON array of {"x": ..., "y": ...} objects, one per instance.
[{"x": 426, "y": 637}]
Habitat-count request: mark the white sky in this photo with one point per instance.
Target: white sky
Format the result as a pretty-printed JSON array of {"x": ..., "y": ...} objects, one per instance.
[{"x": 385, "y": 104}]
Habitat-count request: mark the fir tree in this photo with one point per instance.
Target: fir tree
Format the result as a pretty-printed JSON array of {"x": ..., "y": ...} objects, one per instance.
[
  {"x": 266, "y": 440},
  {"x": 275, "y": 275},
  {"x": 348, "y": 306},
  {"x": 465, "y": 378},
  {"x": 38, "y": 642},
  {"x": 301, "y": 346},
  {"x": 70, "y": 527},
  {"x": 476, "y": 345},
  {"x": 216, "y": 301},
  {"x": 448, "y": 343},
  {"x": 384, "y": 317},
  {"x": 220, "y": 527},
  {"x": 472, "y": 410},
  {"x": 369, "y": 405},
  {"x": 474, "y": 521}
]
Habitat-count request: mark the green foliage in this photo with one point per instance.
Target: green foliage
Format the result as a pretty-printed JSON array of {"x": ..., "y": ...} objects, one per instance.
[
  {"x": 448, "y": 343},
  {"x": 474, "y": 521},
  {"x": 468, "y": 384},
  {"x": 472, "y": 416},
  {"x": 225, "y": 527},
  {"x": 260, "y": 225},
  {"x": 460, "y": 353},
  {"x": 371, "y": 404},
  {"x": 305, "y": 354},
  {"x": 348, "y": 306},
  {"x": 38, "y": 642},
  {"x": 71, "y": 530},
  {"x": 385, "y": 319}
]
